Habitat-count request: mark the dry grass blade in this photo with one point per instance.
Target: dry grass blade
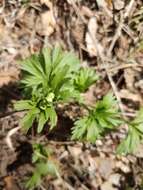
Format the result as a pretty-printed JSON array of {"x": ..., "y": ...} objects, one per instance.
[{"x": 8, "y": 137}]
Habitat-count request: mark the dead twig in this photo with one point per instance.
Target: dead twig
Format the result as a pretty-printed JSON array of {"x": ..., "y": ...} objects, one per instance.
[
  {"x": 124, "y": 66},
  {"x": 120, "y": 26},
  {"x": 128, "y": 8},
  {"x": 117, "y": 35},
  {"x": 7, "y": 114}
]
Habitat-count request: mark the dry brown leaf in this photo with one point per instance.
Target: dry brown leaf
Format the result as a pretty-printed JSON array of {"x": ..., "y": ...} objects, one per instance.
[
  {"x": 48, "y": 3},
  {"x": 129, "y": 75},
  {"x": 48, "y": 21},
  {"x": 128, "y": 95},
  {"x": 10, "y": 183},
  {"x": 86, "y": 11},
  {"x": 90, "y": 38},
  {"x": 77, "y": 32},
  {"x": 7, "y": 77},
  {"x": 109, "y": 3},
  {"x": 121, "y": 51},
  {"x": 89, "y": 96}
]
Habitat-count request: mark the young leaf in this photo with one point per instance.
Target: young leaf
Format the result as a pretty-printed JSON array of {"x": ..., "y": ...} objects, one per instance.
[
  {"x": 23, "y": 105},
  {"x": 67, "y": 59},
  {"x": 52, "y": 116},
  {"x": 42, "y": 120},
  {"x": 48, "y": 78},
  {"x": 47, "y": 62},
  {"x": 80, "y": 128},
  {"x": 84, "y": 79},
  {"x": 57, "y": 55},
  {"x": 34, "y": 181},
  {"x": 103, "y": 116},
  {"x": 130, "y": 143},
  {"x": 86, "y": 129},
  {"x": 106, "y": 112},
  {"x": 29, "y": 118},
  {"x": 93, "y": 132},
  {"x": 134, "y": 136}
]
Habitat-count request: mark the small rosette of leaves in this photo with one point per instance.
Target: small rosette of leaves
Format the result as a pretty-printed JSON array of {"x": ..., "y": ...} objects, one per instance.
[
  {"x": 44, "y": 165},
  {"x": 52, "y": 71},
  {"x": 101, "y": 118},
  {"x": 134, "y": 136},
  {"x": 47, "y": 80},
  {"x": 85, "y": 78},
  {"x": 40, "y": 109}
]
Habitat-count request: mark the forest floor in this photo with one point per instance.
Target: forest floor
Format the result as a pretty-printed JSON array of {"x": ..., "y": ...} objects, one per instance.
[{"x": 106, "y": 35}]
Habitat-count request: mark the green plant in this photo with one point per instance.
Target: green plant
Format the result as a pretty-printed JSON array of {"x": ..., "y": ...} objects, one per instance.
[
  {"x": 44, "y": 165},
  {"x": 84, "y": 79},
  {"x": 49, "y": 78},
  {"x": 134, "y": 136},
  {"x": 102, "y": 117},
  {"x": 52, "y": 77}
]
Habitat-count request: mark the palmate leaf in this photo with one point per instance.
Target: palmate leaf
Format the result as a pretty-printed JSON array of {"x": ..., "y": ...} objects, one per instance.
[
  {"x": 29, "y": 118},
  {"x": 31, "y": 65},
  {"x": 59, "y": 79},
  {"x": 33, "y": 70},
  {"x": 41, "y": 121},
  {"x": 52, "y": 116},
  {"x": 84, "y": 79},
  {"x": 69, "y": 59},
  {"x": 130, "y": 143},
  {"x": 108, "y": 103},
  {"x": 31, "y": 81},
  {"x": 134, "y": 136},
  {"x": 23, "y": 105},
  {"x": 51, "y": 69},
  {"x": 68, "y": 94},
  {"x": 57, "y": 56},
  {"x": 103, "y": 116},
  {"x": 86, "y": 129},
  {"x": 46, "y": 62},
  {"x": 93, "y": 132},
  {"x": 49, "y": 78},
  {"x": 106, "y": 112},
  {"x": 139, "y": 118},
  {"x": 47, "y": 115},
  {"x": 80, "y": 128}
]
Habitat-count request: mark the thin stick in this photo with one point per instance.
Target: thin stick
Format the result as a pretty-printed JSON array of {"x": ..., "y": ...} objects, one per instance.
[
  {"x": 124, "y": 66},
  {"x": 120, "y": 26},
  {"x": 128, "y": 9},
  {"x": 116, "y": 36},
  {"x": 8, "y": 114}
]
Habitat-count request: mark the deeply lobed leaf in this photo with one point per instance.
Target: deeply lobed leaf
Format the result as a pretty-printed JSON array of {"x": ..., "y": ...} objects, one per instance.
[
  {"x": 84, "y": 79},
  {"x": 47, "y": 79},
  {"x": 134, "y": 136},
  {"x": 104, "y": 116}
]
